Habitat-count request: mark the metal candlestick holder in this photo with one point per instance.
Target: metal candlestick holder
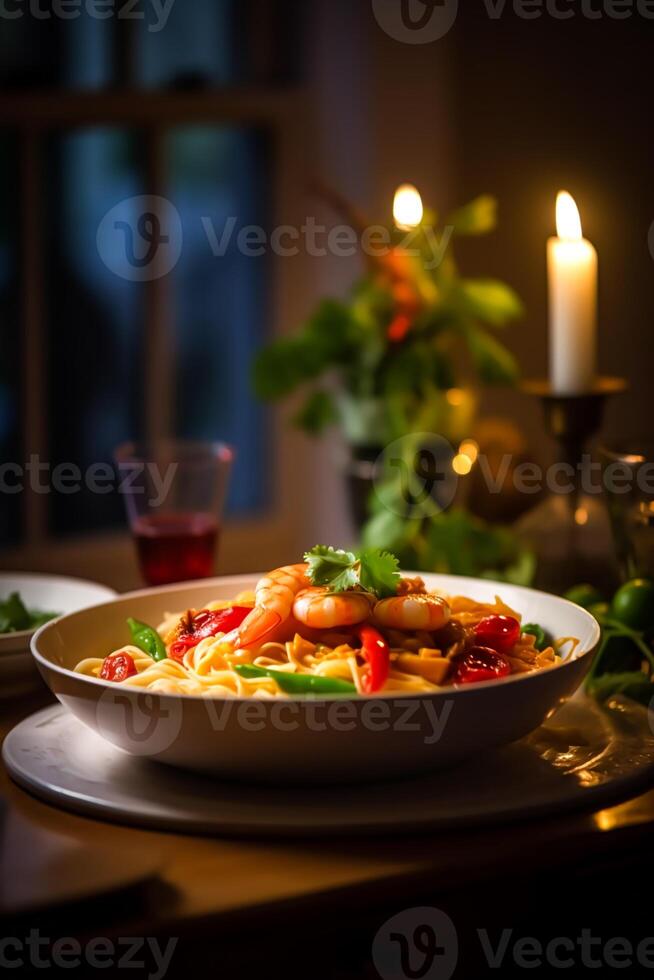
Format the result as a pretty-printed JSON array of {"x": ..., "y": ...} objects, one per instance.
[{"x": 570, "y": 530}]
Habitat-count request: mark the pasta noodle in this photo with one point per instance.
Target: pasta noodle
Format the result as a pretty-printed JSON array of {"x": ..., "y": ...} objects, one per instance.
[{"x": 419, "y": 660}]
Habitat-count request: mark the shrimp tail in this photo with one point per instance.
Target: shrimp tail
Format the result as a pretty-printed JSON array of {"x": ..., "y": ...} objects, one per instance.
[{"x": 255, "y": 628}]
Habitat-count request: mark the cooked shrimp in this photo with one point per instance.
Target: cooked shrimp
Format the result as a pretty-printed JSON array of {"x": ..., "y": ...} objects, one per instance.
[
  {"x": 273, "y": 603},
  {"x": 321, "y": 609},
  {"x": 412, "y": 612}
]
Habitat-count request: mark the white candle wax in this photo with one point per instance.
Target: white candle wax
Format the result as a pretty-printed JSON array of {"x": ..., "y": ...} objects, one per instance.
[{"x": 572, "y": 274}]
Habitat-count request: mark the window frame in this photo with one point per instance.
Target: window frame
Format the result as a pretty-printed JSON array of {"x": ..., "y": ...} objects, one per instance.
[{"x": 32, "y": 116}]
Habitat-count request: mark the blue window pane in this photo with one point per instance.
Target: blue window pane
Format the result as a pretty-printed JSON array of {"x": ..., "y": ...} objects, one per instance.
[
  {"x": 220, "y": 300},
  {"x": 190, "y": 44},
  {"x": 10, "y": 436},
  {"x": 95, "y": 318},
  {"x": 88, "y": 52}
]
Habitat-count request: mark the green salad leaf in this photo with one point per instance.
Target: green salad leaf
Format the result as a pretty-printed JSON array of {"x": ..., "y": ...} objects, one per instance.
[{"x": 15, "y": 616}]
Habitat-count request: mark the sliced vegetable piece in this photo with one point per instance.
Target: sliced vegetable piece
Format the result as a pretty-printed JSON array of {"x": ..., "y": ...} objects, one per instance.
[
  {"x": 208, "y": 623},
  {"x": 434, "y": 669},
  {"x": 377, "y": 655},
  {"x": 147, "y": 639},
  {"x": 297, "y": 683},
  {"x": 118, "y": 667}
]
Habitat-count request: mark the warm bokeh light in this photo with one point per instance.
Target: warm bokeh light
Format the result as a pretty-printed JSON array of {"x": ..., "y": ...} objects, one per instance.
[
  {"x": 470, "y": 449},
  {"x": 462, "y": 464},
  {"x": 407, "y": 207},
  {"x": 568, "y": 221},
  {"x": 581, "y": 516},
  {"x": 455, "y": 397}
]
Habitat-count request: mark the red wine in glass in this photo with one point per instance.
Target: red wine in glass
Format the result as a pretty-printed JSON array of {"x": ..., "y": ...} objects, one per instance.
[{"x": 176, "y": 547}]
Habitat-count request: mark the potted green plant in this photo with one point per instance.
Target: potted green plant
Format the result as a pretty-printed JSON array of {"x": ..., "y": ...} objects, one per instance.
[{"x": 402, "y": 353}]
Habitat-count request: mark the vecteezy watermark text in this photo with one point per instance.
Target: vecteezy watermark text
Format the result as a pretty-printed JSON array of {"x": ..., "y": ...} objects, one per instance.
[
  {"x": 424, "y": 943},
  {"x": 153, "y": 724},
  {"x": 140, "y": 478},
  {"x": 141, "y": 239},
  {"x": 417, "y": 475},
  {"x": 426, "y": 21},
  {"x": 128, "y": 952},
  {"x": 155, "y": 12}
]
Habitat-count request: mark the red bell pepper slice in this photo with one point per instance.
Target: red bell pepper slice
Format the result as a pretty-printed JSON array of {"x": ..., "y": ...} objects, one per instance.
[
  {"x": 377, "y": 654},
  {"x": 208, "y": 623}
]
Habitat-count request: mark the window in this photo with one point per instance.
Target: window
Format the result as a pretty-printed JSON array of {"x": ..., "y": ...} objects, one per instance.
[{"x": 98, "y": 358}]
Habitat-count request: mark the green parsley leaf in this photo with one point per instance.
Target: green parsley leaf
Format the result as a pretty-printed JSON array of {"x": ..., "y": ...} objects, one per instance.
[
  {"x": 373, "y": 570},
  {"x": 332, "y": 567},
  {"x": 379, "y": 572}
]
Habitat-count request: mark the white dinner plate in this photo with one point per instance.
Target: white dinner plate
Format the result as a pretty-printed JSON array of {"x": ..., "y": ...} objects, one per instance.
[{"x": 585, "y": 757}]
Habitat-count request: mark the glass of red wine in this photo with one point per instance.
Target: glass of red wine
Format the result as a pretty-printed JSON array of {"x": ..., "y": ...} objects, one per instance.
[{"x": 175, "y": 494}]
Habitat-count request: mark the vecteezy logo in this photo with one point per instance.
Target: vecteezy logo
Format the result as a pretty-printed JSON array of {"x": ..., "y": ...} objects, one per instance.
[
  {"x": 140, "y": 239},
  {"x": 417, "y": 944},
  {"x": 416, "y": 21},
  {"x": 147, "y": 724},
  {"x": 414, "y": 476}
]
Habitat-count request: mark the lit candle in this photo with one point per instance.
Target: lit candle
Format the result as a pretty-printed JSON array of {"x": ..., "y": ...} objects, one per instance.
[
  {"x": 572, "y": 271},
  {"x": 407, "y": 207}
]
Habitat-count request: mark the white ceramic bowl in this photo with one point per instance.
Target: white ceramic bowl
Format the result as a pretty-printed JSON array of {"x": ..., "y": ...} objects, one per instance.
[
  {"x": 307, "y": 741},
  {"x": 46, "y": 593}
]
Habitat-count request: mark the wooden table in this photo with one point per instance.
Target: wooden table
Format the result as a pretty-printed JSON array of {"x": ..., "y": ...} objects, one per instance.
[{"x": 218, "y": 894}]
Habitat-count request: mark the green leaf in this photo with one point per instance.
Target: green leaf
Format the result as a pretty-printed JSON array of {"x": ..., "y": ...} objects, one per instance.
[
  {"x": 316, "y": 414},
  {"x": 496, "y": 365},
  {"x": 379, "y": 572},
  {"x": 488, "y": 300},
  {"x": 634, "y": 685},
  {"x": 476, "y": 218},
  {"x": 384, "y": 530},
  {"x": 283, "y": 366},
  {"x": 332, "y": 567},
  {"x": 13, "y": 610},
  {"x": 287, "y": 363}
]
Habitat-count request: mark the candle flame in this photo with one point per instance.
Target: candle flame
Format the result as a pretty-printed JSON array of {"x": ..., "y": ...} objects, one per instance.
[
  {"x": 568, "y": 222},
  {"x": 407, "y": 207}
]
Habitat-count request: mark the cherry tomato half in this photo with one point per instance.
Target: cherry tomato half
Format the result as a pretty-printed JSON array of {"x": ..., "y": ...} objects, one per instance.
[
  {"x": 500, "y": 633},
  {"x": 480, "y": 664},
  {"x": 118, "y": 667}
]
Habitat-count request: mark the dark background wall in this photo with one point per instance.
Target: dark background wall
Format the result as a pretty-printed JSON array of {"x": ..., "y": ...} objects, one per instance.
[
  {"x": 521, "y": 109},
  {"x": 546, "y": 104}
]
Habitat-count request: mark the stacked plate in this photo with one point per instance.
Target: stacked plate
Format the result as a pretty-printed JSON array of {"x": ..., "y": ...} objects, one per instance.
[{"x": 43, "y": 593}]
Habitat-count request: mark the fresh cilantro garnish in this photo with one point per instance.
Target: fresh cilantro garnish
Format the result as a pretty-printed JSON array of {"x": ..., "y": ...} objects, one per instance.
[
  {"x": 373, "y": 570},
  {"x": 332, "y": 567},
  {"x": 379, "y": 572}
]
